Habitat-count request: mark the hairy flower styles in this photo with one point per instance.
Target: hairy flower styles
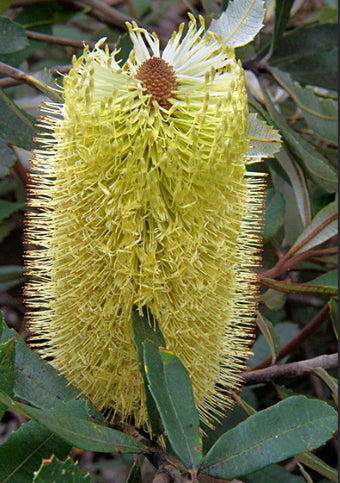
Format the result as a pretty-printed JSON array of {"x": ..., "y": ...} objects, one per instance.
[{"x": 141, "y": 197}]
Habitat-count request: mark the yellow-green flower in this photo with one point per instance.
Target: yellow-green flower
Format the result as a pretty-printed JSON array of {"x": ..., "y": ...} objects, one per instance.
[{"x": 141, "y": 197}]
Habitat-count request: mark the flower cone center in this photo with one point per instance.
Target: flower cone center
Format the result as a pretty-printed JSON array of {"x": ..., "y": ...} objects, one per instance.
[{"x": 158, "y": 78}]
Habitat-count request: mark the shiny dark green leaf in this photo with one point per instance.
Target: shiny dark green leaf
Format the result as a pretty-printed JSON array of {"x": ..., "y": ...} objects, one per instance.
[
  {"x": 282, "y": 10},
  {"x": 146, "y": 328},
  {"x": 35, "y": 381},
  {"x": 21, "y": 454},
  {"x": 309, "y": 54},
  {"x": 171, "y": 389},
  {"x": 72, "y": 422},
  {"x": 7, "y": 355},
  {"x": 290, "y": 427}
]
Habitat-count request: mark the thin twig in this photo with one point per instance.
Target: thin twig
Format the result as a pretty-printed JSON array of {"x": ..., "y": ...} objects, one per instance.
[
  {"x": 287, "y": 262},
  {"x": 17, "y": 76},
  {"x": 296, "y": 341},
  {"x": 51, "y": 39},
  {"x": 294, "y": 369},
  {"x": 103, "y": 12}
]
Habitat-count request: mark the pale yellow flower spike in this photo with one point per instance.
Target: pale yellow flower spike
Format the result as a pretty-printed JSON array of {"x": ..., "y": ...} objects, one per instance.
[{"x": 141, "y": 197}]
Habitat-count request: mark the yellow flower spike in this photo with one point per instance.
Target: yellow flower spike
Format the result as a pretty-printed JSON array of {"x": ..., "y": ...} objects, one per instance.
[{"x": 141, "y": 197}]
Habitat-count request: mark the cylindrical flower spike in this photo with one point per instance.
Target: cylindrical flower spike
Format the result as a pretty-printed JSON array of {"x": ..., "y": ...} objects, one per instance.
[{"x": 141, "y": 197}]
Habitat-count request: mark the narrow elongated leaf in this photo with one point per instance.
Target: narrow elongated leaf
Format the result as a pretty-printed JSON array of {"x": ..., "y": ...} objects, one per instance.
[
  {"x": 300, "y": 288},
  {"x": 15, "y": 126},
  {"x": 76, "y": 430},
  {"x": 318, "y": 167},
  {"x": 264, "y": 140},
  {"x": 331, "y": 382},
  {"x": 7, "y": 355},
  {"x": 171, "y": 388},
  {"x": 322, "y": 227},
  {"x": 333, "y": 312},
  {"x": 282, "y": 11},
  {"x": 298, "y": 182},
  {"x": 290, "y": 427},
  {"x": 21, "y": 454},
  {"x": 239, "y": 24},
  {"x": 143, "y": 329},
  {"x": 321, "y": 114},
  {"x": 305, "y": 473},
  {"x": 55, "y": 470},
  {"x": 12, "y": 36},
  {"x": 268, "y": 332},
  {"x": 274, "y": 214},
  {"x": 309, "y": 54},
  {"x": 312, "y": 461},
  {"x": 35, "y": 381}
]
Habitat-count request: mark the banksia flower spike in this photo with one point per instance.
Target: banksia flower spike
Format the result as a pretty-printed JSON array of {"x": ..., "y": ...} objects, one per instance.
[{"x": 141, "y": 198}]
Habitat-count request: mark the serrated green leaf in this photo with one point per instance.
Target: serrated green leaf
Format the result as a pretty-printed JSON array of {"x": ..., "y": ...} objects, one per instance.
[
  {"x": 264, "y": 140},
  {"x": 146, "y": 328},
  {"x": 55, "y": 470},
  {"x": 298, "y": 182},
  {"x": 7, "y": 355},
  {"x": 288, "y": 428},
  {"x": 333, "y": 312},
  {"x": 22, "y": 452},
  {"x": 240, "y": 23},
  {"x": 321, "y": 114},
  {"x": 269, "y": 333},
  {"x": 171, "y": 389},
  {"x": 312, "y": 461},
  {"x": 322, "y": 227},
  {"x": 15, "y": 126},
  {"x": 274, "y": 214},
  {"x": 318, "y": 167},
  {"x": 12, "y": 36},
  {"x": 331, "y": 382},
  {"x": 309, "y": 54},
  {"x": 282, "y": 11}
]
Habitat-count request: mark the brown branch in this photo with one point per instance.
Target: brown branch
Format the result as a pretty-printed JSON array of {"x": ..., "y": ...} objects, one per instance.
[
  {"x": 103, "y": 12},
  {"x": 18, "y": 77},
  {"x": 155, "y": 454},
  {"x": 296, "y": 341},
  {"x": 294, "y": 369},
  {"x": 51, "y": 39},
  {"x": 287, "y": 262}
]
